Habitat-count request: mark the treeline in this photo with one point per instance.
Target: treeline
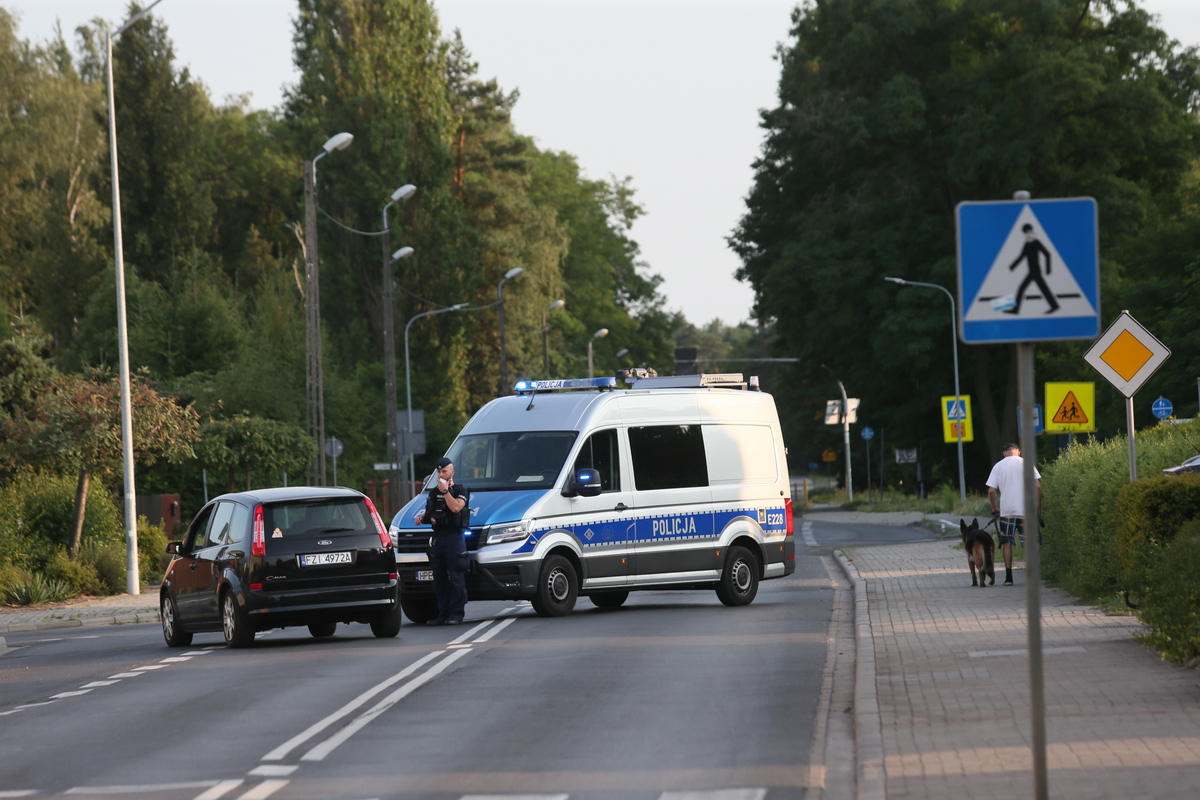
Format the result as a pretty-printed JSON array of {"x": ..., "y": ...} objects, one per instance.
[
  {"x": 213, "y": 207},
  {"x": 889, "y": 115}
]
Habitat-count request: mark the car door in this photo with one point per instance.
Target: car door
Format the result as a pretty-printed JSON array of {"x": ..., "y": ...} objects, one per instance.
[
  {"x": 604, "y": 524},
  {"x": 198, "y": 600}
]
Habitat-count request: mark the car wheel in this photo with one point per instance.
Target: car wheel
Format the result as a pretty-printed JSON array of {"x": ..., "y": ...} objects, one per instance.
[
  {"x": 175, "y": 635},
  {"x": 321, "y": 630},
  {"x": 387, "y": 624},
  {"x": 609, "y": 599},
  {"x": 556, "y": 589},
  {"x": 419, "y": 608},
  {"x": 234, "y": 624},
  {"x": 739, "y": 581}
]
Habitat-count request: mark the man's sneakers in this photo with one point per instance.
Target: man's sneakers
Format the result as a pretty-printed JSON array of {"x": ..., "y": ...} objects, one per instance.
[
  {"x": 437, "y": 621},
  {"x": 1007, "y": 578},
  {"x": 454, "y": 621}
]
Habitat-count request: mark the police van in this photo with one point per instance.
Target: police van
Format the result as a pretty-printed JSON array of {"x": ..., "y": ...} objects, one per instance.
[{"x": 594, "y": 488}]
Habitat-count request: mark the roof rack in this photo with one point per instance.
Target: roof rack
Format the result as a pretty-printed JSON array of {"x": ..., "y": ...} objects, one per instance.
[{"x": 702, "y": 380}]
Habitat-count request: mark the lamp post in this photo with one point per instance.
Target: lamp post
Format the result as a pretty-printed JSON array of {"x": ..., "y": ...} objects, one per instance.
[
  {"x": 600, "y": 334},
  {"x": 962, "y": 479},
  {"x": 408, "y": 378},
  {"x": 314, "y": 386},
  {"x": 389, "y": 345},
  {"x": 508, "y": 276},
  {"x": 557, "y": 304},
  {"x": 133, "y": 580}
]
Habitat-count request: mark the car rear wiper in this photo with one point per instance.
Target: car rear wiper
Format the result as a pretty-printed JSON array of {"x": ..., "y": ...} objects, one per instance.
[{"x": 337, "y": 530}]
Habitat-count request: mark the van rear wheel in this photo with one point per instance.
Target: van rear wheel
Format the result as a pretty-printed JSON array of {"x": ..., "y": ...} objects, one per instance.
[
  {"x": 609, "y": 599},
  {"x": 321, "y": 630},
  {"x": 739, "y": 581},
  {"x": 420, "y": 608},
  {"x": 557, "y": 588}
]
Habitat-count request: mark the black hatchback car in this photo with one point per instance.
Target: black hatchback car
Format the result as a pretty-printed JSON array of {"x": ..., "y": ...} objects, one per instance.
[{"x": 275, "y": 558}]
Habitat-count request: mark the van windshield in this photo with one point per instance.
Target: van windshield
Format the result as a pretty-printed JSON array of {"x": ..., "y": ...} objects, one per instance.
[{"x": 489, "y": 462}]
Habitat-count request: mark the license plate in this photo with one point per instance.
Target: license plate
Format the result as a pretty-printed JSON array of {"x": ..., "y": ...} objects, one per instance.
[
  {"x": 424, "y": 574},
  {"x": 320, "y": 559}
]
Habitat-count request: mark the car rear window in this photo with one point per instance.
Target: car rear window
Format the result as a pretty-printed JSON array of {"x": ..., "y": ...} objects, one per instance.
[{"x": 303, "y": 519}]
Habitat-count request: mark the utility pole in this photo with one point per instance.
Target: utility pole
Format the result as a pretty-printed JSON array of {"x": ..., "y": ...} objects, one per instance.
[{"x": 314, "y": 387}]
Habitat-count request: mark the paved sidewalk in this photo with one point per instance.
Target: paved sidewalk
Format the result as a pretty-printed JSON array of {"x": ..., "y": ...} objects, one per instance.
[
  {"x": 942, "y": 703},
  {"x": 116, "y": 610}
]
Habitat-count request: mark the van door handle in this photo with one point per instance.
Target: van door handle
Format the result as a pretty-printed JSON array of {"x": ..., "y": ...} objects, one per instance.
[{"x": 621, "y": 507}]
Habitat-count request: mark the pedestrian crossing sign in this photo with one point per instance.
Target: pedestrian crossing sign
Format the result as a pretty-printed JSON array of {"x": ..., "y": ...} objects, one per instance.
[
  {"x": 1072, "y": 407},
  {"x": 956, "y": 413},
  {"x": 1028, "y": 270}
]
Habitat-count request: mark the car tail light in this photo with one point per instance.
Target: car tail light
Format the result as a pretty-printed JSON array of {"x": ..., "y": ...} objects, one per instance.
[
  {"x": 385, "y": 540},
  {"x": 789, "y": 522},
  {"x": 258, "y": 542}
]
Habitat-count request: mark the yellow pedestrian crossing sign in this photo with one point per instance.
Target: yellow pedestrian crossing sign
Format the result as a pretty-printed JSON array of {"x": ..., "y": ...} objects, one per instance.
[
  {"x": 956, "y": 413},
  {"x": 1072, "y": 407}
]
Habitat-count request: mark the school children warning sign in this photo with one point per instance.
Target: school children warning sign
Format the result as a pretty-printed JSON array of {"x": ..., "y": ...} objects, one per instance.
[{"x": 1071, "y": 407}]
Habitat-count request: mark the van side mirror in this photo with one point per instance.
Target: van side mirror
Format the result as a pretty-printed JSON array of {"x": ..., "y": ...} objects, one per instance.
[
  {"x": 173, "y": 547},
  {"x": 584, "y": 482}
]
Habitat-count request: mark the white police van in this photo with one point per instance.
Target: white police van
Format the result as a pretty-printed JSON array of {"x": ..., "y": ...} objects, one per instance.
[{"x": 582, "y": 487}]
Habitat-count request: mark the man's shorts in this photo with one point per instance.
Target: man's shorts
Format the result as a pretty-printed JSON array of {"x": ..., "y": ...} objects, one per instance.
[{"x": 1011, "y": 529}]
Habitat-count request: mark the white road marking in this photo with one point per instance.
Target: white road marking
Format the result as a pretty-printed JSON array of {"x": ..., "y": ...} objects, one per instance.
[
  {"x": 283, "y": 749},
  {"x": 487, "y": 636},
  {"x": 94, "y": 684},
  {"x": 20, "y": 793},
  {"x": 75, "y": 693},
  {"x": 325, "y": 748},
  {"x": 148, "y": 787},
  {"x": 175, "y": 659},
  {"x": 263, "y": 790},
  {"x": 273, "y": 770},
  {"x": 126, "y": 675},
  {"x": 219, "y": 791},
  {"x": 468, "y": 634},
  {"x": 514, "y": 797},
  {"x": 807, "y": 534},
  {"x": 716, "y": 794},
  {"x": 152, "y": 666}
]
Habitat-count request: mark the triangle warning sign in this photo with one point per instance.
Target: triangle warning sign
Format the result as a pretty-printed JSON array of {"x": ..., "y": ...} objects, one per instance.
[
  {"x": 1070, "y": 411},
  {"x": 1028, "y": 278}
]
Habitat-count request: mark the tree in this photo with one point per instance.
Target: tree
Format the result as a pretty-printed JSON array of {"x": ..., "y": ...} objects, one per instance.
[
  {"x": 243, "y": 444},
  {"x": 891, "y": 114},
  {"x": 78, "y": 425}
]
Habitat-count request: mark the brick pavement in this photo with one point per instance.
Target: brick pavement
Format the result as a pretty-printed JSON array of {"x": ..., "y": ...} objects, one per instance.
[
  {"x": 951, "y": 685},
  {"x": 115, "y": 610}
]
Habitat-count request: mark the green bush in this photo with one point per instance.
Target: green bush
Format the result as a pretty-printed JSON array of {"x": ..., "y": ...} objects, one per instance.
[
  {"x": 108, "y": 560},
  {"x": 152, "y": 551},
  {"x": 1150, "y": 513},
  {"x": 80, "y": 577},
  {"x": 38, "y": 510},
  {"x": 1080, "y": 491},
  {"x": 10, "y": 576},
  {"x": 1170, "y": 606},
  {"x": 36, "y": 590}
]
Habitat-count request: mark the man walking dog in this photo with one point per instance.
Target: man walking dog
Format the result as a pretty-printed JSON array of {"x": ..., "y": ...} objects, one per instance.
[{"x": 1006, "y": 492}]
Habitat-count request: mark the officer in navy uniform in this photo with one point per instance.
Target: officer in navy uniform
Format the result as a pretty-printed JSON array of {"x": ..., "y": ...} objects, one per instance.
[{"x": 447, "y": 509}]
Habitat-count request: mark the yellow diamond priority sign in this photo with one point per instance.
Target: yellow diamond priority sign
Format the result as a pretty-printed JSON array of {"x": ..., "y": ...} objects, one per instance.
[{"x": 1127, "y": 354}]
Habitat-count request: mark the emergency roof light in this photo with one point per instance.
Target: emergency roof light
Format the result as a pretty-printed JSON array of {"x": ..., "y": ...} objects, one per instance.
[{"x": 524, "y": 387}]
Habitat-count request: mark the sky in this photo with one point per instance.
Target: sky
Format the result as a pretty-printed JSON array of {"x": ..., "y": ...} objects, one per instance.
[{"x": 666, "y": 92}]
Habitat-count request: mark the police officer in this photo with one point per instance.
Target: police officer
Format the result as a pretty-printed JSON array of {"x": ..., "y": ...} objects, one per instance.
[{"x": 447, "y": 509}]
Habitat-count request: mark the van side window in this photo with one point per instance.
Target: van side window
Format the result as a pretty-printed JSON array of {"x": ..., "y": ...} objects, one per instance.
[
  {"x": 668, "y": 457},
  {"x": 601, "y": 453}
]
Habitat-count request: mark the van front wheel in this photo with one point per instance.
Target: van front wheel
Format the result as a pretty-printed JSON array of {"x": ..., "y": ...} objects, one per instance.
[
  {"x": 739, "y": 581},
  {"x": 557, "y": 588}
]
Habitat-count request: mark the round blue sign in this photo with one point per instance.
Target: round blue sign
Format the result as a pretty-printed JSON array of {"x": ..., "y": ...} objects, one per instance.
[
  {"x": 1162, "y": 408},
  {"x": 868, "y": 433}
]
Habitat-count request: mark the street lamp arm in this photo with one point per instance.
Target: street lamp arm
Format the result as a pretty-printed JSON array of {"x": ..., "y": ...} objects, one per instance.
[{"x": 133, "y": 20}]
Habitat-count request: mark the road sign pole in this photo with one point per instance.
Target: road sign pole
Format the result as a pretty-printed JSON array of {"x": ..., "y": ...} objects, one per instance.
[
  {"x": 846, "y": 440},
  {"x": 1132, "y": 438},
  {"x": 1037, "y": 718}
]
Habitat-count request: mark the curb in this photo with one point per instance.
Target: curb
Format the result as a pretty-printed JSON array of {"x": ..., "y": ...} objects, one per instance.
[
  {"x": 116, "y": 619},
  {"x": 868, "y": 726}
]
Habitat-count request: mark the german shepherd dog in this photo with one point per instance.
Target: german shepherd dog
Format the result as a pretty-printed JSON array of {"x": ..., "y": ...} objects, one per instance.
[{"x": 981, "y": 552}]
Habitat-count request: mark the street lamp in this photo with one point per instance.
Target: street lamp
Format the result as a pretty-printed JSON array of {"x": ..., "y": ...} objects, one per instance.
[
  {"x": 557, "y": 304},
  {"x": 408, "y": 381},
  {"x": 962, "y": 479},
  {"x": 624, "y": 351},
  {"x": 314, "y": 386},
  {"x": 133, "y": 580},
  {"x": 600, "y": 334},
  {"x": 508, "y": 276},
  {"x": 389, "y": 344}
]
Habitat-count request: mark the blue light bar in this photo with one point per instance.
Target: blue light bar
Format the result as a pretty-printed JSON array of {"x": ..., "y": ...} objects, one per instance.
[{"x": 523, "y": 387}]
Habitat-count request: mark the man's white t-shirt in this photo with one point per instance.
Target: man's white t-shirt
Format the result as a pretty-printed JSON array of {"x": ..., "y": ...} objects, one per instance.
[{"x": 1008, "y": 476}]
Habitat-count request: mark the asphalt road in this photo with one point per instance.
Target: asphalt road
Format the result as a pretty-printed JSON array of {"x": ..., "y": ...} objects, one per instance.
[{"x": 671, "y": 697}]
